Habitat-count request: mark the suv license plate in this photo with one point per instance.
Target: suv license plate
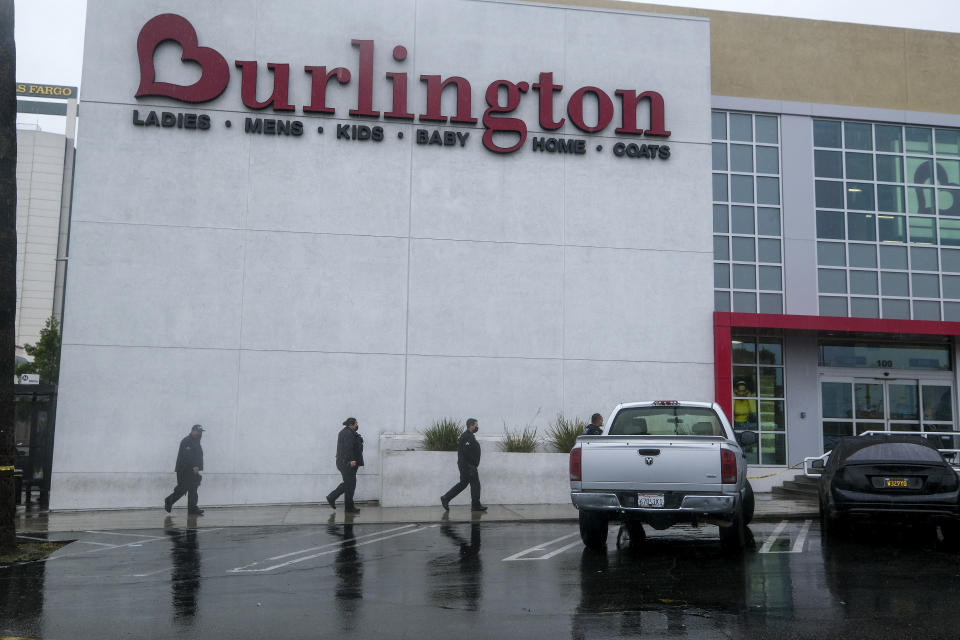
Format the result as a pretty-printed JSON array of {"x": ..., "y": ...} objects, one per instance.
[{"x": 650, "y": 500}]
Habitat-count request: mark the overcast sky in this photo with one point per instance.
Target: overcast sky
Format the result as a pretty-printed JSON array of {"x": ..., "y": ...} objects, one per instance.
[{"x": 49, "y": 33}]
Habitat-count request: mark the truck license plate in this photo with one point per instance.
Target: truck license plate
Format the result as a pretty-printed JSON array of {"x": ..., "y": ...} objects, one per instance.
[{"x": 650, "y": 500}]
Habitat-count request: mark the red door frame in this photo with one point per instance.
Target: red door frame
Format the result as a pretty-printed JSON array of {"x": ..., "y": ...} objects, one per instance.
[{"x": 725, "y": 322}]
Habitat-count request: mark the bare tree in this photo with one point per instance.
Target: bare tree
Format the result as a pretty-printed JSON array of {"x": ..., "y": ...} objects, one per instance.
[{"x": 8, "y": 269}]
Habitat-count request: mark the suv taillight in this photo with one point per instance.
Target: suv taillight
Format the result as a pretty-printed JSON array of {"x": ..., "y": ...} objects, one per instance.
[
  {"x": 575, "y": 464},
  {"x": 728, "y": 466}
]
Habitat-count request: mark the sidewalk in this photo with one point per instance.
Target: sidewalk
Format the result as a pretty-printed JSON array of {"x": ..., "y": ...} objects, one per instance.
[{"x": 36, "y": 520}]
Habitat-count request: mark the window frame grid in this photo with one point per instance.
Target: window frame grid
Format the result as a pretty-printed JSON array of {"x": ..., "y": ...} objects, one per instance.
[
  {"x": 730, "y": 292},
  {"x": 912, "y": 300}
]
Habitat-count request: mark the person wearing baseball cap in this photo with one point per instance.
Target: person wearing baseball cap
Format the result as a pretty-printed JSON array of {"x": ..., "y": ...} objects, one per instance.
[
  {"x": 349, "y": 461},
  {"x": 188, "y": 468}
]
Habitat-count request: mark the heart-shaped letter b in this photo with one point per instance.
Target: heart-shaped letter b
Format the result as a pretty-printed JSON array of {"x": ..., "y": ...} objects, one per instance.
[{"x": 215, "y": 73}]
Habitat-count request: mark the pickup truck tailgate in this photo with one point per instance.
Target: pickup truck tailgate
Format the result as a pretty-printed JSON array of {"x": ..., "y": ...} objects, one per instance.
[{"x": 630, "y": 463}]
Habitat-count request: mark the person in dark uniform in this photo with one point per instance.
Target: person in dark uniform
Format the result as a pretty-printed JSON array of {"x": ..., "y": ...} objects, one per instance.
[
  {"x": 468, "y": 459},
  {"x": 595, "y": 428},
  {"x": 188, "y": 468},
  {"x": 349, "y": 461}
]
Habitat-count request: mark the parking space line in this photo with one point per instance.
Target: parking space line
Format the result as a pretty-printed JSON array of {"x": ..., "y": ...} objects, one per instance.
[
  {"x": 135, "y": 543},
  {"x": 797, "y": 543},
  {"x": 20, "y": 535},
  {"x": 338, "y": 542},
  {"x": 344, "y": 543},
  {"x": 128, "y": 535},
  {"x": 773, "y": 537},
  {"x": 542, "y": 547}
]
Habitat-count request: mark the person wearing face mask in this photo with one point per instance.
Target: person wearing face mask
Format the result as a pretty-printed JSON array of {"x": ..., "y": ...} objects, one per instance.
[
  {"x": 188, "y": 468},
  {"x": 468, "y": 459},
  {"x": 349, "y": 461}
]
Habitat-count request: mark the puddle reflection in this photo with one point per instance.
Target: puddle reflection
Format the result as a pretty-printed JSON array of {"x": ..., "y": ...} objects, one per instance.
[
  {"x": 463, "y": 590},
  {"x": 662, "y": 586},
  {"x": 21, "y": 598},
  {"x": 185, "y": 569},
  {"x": 892, "y": 574},
  {"x": 348, "y": 568}
]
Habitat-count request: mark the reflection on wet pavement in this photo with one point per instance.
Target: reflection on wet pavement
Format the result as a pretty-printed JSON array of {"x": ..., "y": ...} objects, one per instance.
[
  {"x": 354, "y": 580},
  {"x": 348, "y": 569},
  {"x": 185, "y": 569},
  {"x": 21, "y": 598}
]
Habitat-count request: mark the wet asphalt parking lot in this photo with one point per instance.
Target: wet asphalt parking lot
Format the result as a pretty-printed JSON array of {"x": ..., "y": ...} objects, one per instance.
[{"x": 483, "y": 580}]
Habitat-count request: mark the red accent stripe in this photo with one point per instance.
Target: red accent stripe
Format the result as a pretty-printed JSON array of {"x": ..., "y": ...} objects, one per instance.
[
  {"x": 723, "y": 368},
  {"x": 832, "y": 323},
  {"x": 724, "y": 322}
]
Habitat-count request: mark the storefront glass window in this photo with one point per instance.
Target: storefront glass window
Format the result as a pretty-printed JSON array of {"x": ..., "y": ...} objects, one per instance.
[{"x": 758, "y": 396}]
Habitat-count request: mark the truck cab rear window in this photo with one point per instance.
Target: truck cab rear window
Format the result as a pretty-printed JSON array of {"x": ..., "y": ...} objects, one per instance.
[{"x": 666, "y": 421}]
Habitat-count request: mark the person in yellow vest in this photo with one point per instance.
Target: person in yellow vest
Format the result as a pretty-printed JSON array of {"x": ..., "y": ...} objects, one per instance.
[{"x": 744, "y": 407}]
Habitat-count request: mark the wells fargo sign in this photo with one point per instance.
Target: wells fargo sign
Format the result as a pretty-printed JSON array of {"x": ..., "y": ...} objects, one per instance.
[
  {"x": 502, "y": 98},
  {"x": 46, "y": 91}
]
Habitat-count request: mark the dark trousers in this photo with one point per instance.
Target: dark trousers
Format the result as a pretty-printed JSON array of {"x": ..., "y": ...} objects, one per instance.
[
  {"x": 187, "y": 483},
  {"x": 468, "y": 476},
  {"x": 347, "y": 487}
]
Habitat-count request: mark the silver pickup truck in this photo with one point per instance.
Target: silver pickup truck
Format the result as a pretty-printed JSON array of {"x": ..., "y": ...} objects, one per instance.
[{"x": 660, "y": 463}]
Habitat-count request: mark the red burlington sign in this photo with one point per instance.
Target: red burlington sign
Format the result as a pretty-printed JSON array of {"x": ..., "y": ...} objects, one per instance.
[{"x": 215, "y": 76}]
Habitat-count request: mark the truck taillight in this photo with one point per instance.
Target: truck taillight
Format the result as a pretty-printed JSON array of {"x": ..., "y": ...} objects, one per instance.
[
  {"x": 728, "y": 466},
  {"x": 575, "y": 464}
]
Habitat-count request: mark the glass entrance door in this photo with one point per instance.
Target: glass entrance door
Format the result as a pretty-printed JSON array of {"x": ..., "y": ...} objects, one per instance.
[{"x": 851, "y": 406}]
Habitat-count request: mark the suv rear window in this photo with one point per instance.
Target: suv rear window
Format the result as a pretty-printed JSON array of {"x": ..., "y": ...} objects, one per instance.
[{"x": 666, "y": 421}]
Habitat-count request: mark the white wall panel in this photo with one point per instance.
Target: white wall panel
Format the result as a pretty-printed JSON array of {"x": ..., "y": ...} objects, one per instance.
[
  {"x": 158, "y": 286},
  {"x": 638, "y": 305},
  {"x": 486, "y": 299},
  {"x": 126, "y": 409},
  {"x": 521, "y": 196},
  {"x": 496, "y": 391},
  {"x": 292, "y": 406},
  {"x": 157, "y": 176},
  {"x": 599, "y": 385},
  {"x": 324, "y": 293}
]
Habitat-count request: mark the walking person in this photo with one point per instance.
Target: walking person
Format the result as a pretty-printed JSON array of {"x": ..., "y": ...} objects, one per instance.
[
  {"x": 188, "y": 468},
  {"x": 595, "y": 428},
  {"x": 468, "y": 459},
  {"x": 349, "y": 461}
]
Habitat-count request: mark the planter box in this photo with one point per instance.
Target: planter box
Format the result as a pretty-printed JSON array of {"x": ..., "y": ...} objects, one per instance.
[{"x": 419, "y": 478}]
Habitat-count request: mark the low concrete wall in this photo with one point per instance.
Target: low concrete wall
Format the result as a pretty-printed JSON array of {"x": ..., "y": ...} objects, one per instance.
[
  {"x": 419, "y": 478},
  {"x": 412, "y": 477}
]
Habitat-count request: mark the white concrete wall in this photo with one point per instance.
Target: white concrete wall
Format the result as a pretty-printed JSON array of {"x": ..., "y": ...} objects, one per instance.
[
  {"x": 40, "y": 162},
  {"x": 270, "y": 287}
]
